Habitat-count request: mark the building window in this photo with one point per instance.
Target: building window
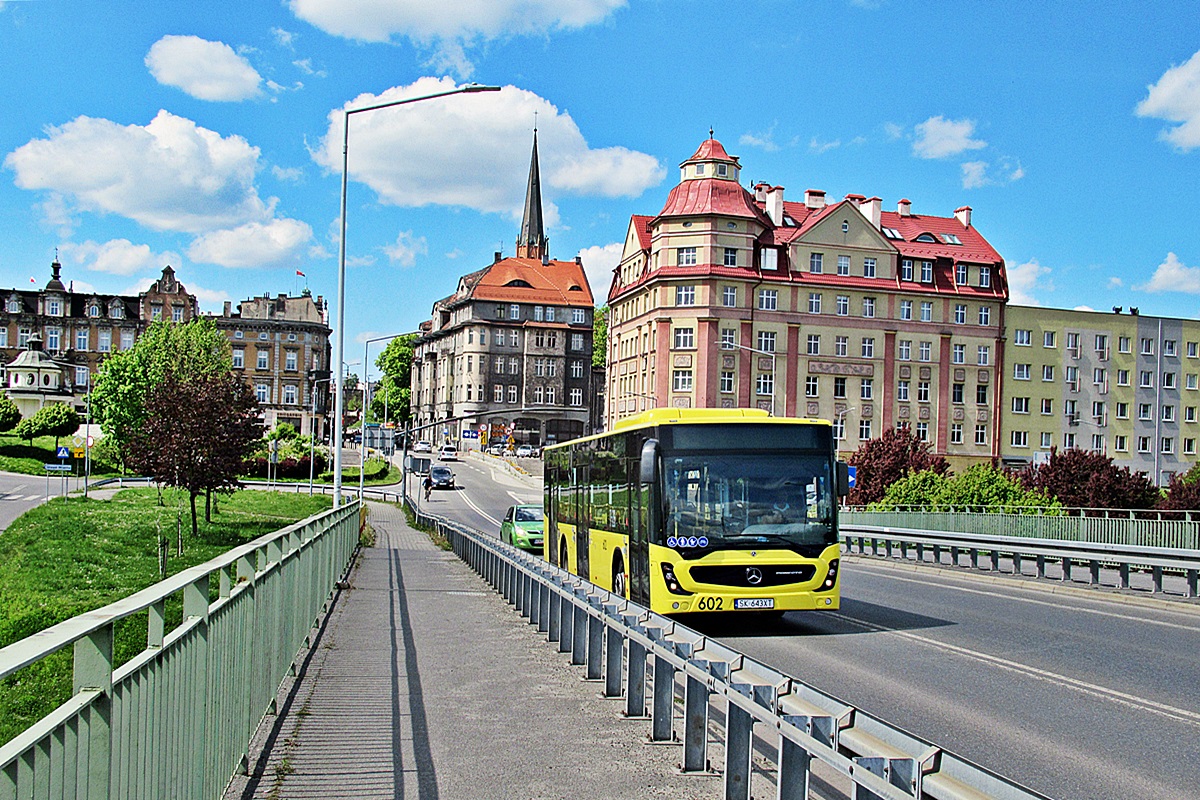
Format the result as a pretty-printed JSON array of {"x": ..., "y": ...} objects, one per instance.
[
  {"x": 1047, "y": 406},
  {"x": 685, "y": 338},
  {"x": 514, "y": 338},
  {"x": 839, "y": 429},
  {"x": 843, "y": 265},
  {"x": 906, "y": 309},
  {"x": 727, "y": 381},
  {"x": 926, "y": 272},
  {"x": 839, "y": 387},
  {"x": 1147, "y": 347},
  {"x": 1099, "y": 375},
  {"x": 686, "y": 256},
  {"x": 1020, "y": 405},
  {"x": 981, "y": 434},
  {"x": 868, "y": 307},
  {"x": 1168, "y": 380},
  {"x": 902, "y": 391},
  {"x": 537, "y": 313},
  {"x": 685, "y": 295},
  {"x": 811, "y": 386},
  {"x": 1189, "y": 447},
  {"x": 512, "y": 366},
  {"x": 1189, "y": 414},
  {"x": 866, "y": 389},
  {"x": 1168, "y": 413},
  {"x": 814, "y": 344},
  {"x": 104, "y": 344},
  {"x": 1143, "y": 444},
  {"x": 728, "y": 338},
  {"x": 814, "y": 303},
  {"x": 239, "y": 358},
  {"x": 1168, "y": 445},
  {"x": 766, "y": 341},
  {"x": 843, "y": 305},
  {"x": 512, "y": 394},
  {"x": 126, "y": 340},
  {"x": 814, "y": 263},
  {"x": 923, "y": 431},
  {"x": 985, "y": 354},
  {"x": 1020, "y": 438},
  {"x": 1169, "y": 347},
  {"x": 868, "y": 268},
  {"x": 956, "y": 393},
  {"x": 500, "y": 338},
  {"x": 841, "y": 346},
  {"x": 576, "y": 397},
  {"x": 926, "y": 312},
  {"x": 729, "y": 296},
  {"x": 956, "y": 436},
  {"x": 985, "y": 315},
  {"x": 82, "y": 376},
  {"x": 81, "y": 338},
  {"x": 1143, "y": 411},
  {"x": 291, "y": 359},
  {"x": 768, "y": 299},
  {"x": 765, "y": 384},
  {"x": 960, "y": 274},
  {"x": 1022, "y": 338},
  {"x": 904, "y": 350},
  {"x": 926, "y": 351},
  {"x": 1146, "y": 379},
  {"x": 576, "y": 369},
  {"x": 498, "y": 393},
  {"x": 906, "y": 269},
  {"x": 864, "y": 429},
  {"x": 985, "y": 277},
  {"x": 730, "y": 257},
  {"x": 262, "y": 359},
  {"x": 981, "y": 394},
  {"x": 289, "y": 394},
  {"x": 960, "y": 314},
  {"x": 1021, "y": 372},
  {"x": 539, "y": 395},
  {"x": 576, "y": 341},
  {"x": 868, "y": 347},
  {"x": 1120, "y": 443},
  {"x": 260, "y": 392}
]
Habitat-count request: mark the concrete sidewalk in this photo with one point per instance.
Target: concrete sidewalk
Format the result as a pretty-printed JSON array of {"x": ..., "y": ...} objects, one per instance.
[{"x": 424, "y": 683}]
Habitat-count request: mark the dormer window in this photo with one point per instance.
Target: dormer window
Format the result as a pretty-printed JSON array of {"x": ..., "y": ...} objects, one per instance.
[
  {"x": 116, "y": 311},
  {"x": 950, "y": 238},
  {"x": 13, "y": 306},
  {"x": 94, "y": 310},
  {"x": 892, "y": 233},
  {"x": 699, "y": 169},
  {"x": 722, "y": 170},
  {"x": 926, "y": 237},
  {"x": 53, "y": 307}
]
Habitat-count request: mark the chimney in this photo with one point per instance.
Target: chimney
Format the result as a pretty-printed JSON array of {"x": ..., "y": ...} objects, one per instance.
[
  {"x": 814, "y": 199},
  {"x": 964, "y": 215},
  {"x": 497, "y": 257},
  {"x": 872, "y": 209},
  {"x": 228, "y": 309},
  {"x": 775, "y": 204},
  {"x": 904, "y": 208},
  {"x": 579, "y": 260},
  {"x": 545, "y": 259},
  {"x": 856, "y": 199},
  {"x": 760, "y": 192}
]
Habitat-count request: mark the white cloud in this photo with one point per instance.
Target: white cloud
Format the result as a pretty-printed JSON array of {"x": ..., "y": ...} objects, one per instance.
[
  {"x": 938, "y": 137},
  {"x": 253, "y": 244},
  {"x": 473, "y": 151},
  {"x": 305, "y": 66},
  {"x": 116, "y": 256},
  {"x": 406, "y": 249},
  {"x": 205, "y": 70},
  {"x": 455, "y": 253},
  {"x": 823, "y": 147},
  {"x": 449, "y": 28},
  {"x": 981, "y": 173},
  {"x": 1115, "y": 282},
  {"x": 168, "y": 175},
  {"x": 598, "y": 264},
  {"x": 1176, "y": 98},
  {"x": 764, "y": 140},
  {"x": 283, "y": 37},
  {"x": 892, "y": 131},
  {"x": 974, "y": 174},
  {"x": 1172, "y": 275},
  {"x": 1024, "y": 280},
  {"x": 287, "y": 173}
]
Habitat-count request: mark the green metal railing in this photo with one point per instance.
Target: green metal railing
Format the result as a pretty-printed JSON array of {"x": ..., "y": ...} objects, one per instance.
[
  {"x": 1129, "y": 529},
  {"x": 175, "y": 721}
]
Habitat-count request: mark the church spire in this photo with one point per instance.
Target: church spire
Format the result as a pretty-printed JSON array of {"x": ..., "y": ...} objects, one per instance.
[{"x": 532, "y": 243}]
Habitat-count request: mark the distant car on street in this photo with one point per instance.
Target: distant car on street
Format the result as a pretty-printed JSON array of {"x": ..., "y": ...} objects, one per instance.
[
  {"x": 423, "y": 447},
  {"x": 495, "y": 450},
  {"x": 525, "y": 451},
  {"x": 523, "y": 527},
  {"x": 448, "y": 453},
  {"x": 442, "y": 477}
]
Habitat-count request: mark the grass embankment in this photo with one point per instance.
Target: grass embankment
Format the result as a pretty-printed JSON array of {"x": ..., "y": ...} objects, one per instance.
[
  {"x": 17, "y": 455},
  {"x": 74, "y": 555}
]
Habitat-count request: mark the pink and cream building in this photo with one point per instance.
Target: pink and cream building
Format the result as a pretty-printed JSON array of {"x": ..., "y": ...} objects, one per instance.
[{"x": 837, "y": 309}]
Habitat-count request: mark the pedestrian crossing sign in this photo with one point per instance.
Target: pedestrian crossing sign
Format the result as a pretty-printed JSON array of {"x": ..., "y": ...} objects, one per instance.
[{"x": 63, "y": 452}]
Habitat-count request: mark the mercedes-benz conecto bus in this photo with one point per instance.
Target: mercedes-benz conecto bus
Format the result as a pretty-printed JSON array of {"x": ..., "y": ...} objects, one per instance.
[{"x": 699, "y": 510}]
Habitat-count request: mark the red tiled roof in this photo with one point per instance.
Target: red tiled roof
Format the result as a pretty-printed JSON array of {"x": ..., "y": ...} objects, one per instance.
[
  {"x": 641, "y": 224},
  {"x": 712, "y": 196},
  {"x": 710, "y": 149},
  {"x": 548, "y": 283},
  {"x": 973, "y": 248}
]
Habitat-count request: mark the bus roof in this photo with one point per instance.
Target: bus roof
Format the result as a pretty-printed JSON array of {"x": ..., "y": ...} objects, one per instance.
[{"x": 696, "y": 416}]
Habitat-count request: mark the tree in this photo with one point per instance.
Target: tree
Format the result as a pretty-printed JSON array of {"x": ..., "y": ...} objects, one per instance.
[
  {"x": 10, "y": 415},
  {"x": 57, "y": 420},
  {"x": 883, "y": 461},
  {"x": 1183, "y": 492},
  {"x": 28, "y": 429},
  {"x": 126, "y": 378},
  {"x": 600, "y": 337},
  {"x": 197, "y": 431},
  {"x": 1086, "y": 479},
  {"x": 395, "y": 362},
  {"x": 982, "y": 486}
]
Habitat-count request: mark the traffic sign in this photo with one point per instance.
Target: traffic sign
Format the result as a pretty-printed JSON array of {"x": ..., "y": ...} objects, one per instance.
[
  {"x": 78, "y": 452},
  {"x": 853, "y": 475},
  {"x": 63, "y": 452},
  {"x": 57, "y": 467}
]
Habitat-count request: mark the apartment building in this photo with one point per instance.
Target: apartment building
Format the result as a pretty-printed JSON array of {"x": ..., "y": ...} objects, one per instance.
[
  {"x": 733, "y": 298},
  {"x": 1120, "y": 383},
  {"x": 508, "y": 356}
]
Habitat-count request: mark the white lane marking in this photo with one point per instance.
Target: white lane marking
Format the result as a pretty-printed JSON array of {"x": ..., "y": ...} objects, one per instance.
[
  {"x": 525, "y": 501},
  {"x": 1171, "y": 712},
  {"x": 480, "y": 511},
  {"x": 1058, "y": 606}
]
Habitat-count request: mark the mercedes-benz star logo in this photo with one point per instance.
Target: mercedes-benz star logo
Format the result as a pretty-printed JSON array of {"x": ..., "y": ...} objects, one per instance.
[{"x": 754, "y": 576}]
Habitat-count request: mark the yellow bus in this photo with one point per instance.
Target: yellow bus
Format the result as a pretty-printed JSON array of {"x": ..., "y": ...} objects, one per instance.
[{"x": 700, "y": 510}]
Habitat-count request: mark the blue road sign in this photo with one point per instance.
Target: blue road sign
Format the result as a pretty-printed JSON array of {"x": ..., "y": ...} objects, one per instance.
[
  {"x": 63, "y": 452},
  {"x": 853, "y": 476},
  {"x": 57, "y": 467}
]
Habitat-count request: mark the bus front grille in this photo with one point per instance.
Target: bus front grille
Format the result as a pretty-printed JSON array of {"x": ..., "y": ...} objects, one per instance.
[{"x": 753, "y": 575}]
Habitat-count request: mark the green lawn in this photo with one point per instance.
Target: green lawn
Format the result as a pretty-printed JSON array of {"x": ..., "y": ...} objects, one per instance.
[
  {"x": 16, "y": 455},
  {"x": 73, "y": 555}
]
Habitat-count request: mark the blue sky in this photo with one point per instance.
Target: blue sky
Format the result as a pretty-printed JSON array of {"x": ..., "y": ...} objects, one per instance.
[{"x": 207, "y": 135}]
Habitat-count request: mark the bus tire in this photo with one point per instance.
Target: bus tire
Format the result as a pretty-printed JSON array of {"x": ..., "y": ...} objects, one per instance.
[
  {"x": 563, "y": 556},
  {"x": 618, "y": 577}
]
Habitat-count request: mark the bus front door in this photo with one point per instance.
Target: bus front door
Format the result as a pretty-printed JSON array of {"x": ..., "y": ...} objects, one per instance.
[{"x": 639, "y": 550}]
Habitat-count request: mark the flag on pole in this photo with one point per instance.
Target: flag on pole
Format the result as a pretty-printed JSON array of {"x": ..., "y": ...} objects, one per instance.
[
  {"x": 33, "y": 280},
  {"x": 301, "y": 274}
]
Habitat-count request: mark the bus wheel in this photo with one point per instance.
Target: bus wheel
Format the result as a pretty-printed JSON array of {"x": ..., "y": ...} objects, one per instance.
[
  {"x": 618, "y": 577},
  {"x": 562, "y": 555}
]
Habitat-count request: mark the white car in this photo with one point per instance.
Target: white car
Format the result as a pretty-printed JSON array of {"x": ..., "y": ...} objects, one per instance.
[
  {"x": 423, "y": 447},
  {"x": 525, "y": 451},
  {"x": 448, "y": 453}
]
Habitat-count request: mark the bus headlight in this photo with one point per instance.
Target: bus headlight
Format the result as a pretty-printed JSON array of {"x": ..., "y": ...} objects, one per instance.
[
  {"x": 830, "y": 577},
  {"x": 672, "y": 582}
]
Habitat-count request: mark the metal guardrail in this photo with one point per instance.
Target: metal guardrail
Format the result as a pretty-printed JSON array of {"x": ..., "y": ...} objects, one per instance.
[
  {"x": 930, "y": 546},
  {"x": 1134, "y": 528},
  {"x": 616, "y": 641},
  {"x": 176, "y": 720}
]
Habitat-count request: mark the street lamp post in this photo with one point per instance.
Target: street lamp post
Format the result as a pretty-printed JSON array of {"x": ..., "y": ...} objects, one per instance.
[
  {"x": 312, "y": 422},
  {"x": 341, "y": 299},
  {"x": 771, "y": 353},
  {"x": 367, "y": 401}
]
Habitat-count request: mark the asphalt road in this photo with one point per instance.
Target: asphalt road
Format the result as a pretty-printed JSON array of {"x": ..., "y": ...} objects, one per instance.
[
  {"x": 19, "y": 493},
  {"x": 1075, "y": 694}
]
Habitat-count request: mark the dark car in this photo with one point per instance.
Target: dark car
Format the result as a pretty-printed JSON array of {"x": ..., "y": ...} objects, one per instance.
[{"x": 442, "y": 477}]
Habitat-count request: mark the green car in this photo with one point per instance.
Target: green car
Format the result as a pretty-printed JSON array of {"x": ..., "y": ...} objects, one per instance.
[{"x": 522, "y": 527}]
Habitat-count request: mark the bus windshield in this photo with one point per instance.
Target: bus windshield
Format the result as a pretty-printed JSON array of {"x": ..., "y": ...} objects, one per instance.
[{"x": 748, "y": 500}]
